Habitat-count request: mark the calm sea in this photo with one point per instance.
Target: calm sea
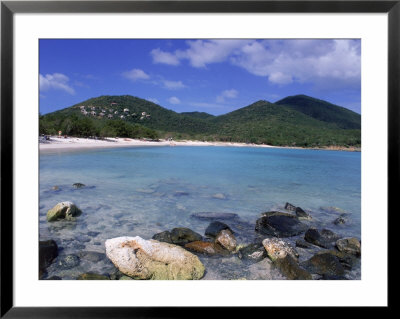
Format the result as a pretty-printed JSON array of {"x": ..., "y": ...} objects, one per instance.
[{"x": 141, "y": 191}]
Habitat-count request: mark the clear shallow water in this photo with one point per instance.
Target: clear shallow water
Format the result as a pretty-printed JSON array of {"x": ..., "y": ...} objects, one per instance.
[{"x": 143, "y": 191}]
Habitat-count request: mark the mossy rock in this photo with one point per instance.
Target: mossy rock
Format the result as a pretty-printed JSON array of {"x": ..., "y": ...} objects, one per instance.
[
  {"x": 63, "y": 210},
  {"x": 92, "y": 276}
]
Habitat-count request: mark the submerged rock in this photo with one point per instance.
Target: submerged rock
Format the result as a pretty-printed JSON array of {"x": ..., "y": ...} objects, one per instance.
[
  {"x": 92, "y": 276},
  {"x": 63, "y": 210},
  {"x": 325, "y": 239},
  {"x": 78, "y": 185},
  {"x": 349, "y": 245},
  {"x": 206, "y": 247},
  {"x": 289, "y": 267},
  {"x": 92, "y": 256},
  {"x": 181, "y": 193},
  {"x": 214, "y": 216},
  {"x": 182, "y": 236},
  {"x": 253, "y": 252},
  {"x": 279, "y": 225},
  {"x": 214, "y": 228},
  {"x": 68, "y": 262},
  {"x": 277, "y": 248},
  {"x": 219, "y": 196},
  {"x": 302, "y": 244},
  {"x": 178, "y": 236},
  {"x": 48, "y": 250},
  {"x": 347, "y": 260},
  {"x": 151, "y": 259},
  {"x": 164, "y": 236},
  {"x": 324, "y": 264},
  {"x": 226, "y": 239},
  {"x": 290, "y": 207},
  {"x": 301, "y": 214},
  {"x": 339, "y": 221}
]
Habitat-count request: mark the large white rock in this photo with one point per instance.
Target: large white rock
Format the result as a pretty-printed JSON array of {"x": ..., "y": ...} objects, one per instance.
[{"x": 151, "y": 259}]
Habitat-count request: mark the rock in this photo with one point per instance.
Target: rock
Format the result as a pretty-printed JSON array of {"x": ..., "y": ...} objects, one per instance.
[
  {"x": 92, "y": 256},
  {"x": 214, "y": 228},
  {"x": 68, "y": 262},
  {"x": 164, "y": 236},
  {"x": 182, "y": 236},
  {"x": 93, "y": 233},
  {"x": 253, "y": 252},
  {"x": 125, "y": 278},
  {"x": 324, "y": 239},
  {"x": 277, "y": 248},
  {"x": 92, "y": 276},
  {"x": 150, "y": 259},
  {"x": 205, "y": 247},
  {"x": 82, "y": 238},
  {"x": 302, "y": 244},
  {"x": 279, "y": 225},
  {"x": 219, "y": 196},
  {"x": 63, "y": 210},
  {"x": 181, "y": 193},
  {"x": 178, "y": 236},
  {"x": 347, "y": 261},
  {"x": 78, "y": 185},
  {"x": 226, "y": 239},
  {"x": 116, "y": 275},
  {"x": 214, "y": 216},
  {"x": 324, "y": 264},
  {"x": 339, "y": 221},
  {"x": 289, "y": 267},
  {"x": 349, "y": 245},
  {"x": 264, "y": 270},
  {"x": 301, "y": 214},
  {"x": 290, "y": 207},
  {"x": 48, "y": 250}
]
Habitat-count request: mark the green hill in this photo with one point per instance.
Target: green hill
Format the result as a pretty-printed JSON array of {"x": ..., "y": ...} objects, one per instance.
[
  {"x": 299, "y": 121},
  {"x": 199, "y": 115},
  {"x": 323, "y": 111},
  {"x": 264, "y": 122}
]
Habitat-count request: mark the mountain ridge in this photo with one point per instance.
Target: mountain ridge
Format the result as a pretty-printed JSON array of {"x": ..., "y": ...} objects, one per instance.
[{"x": 295, "y": 120}]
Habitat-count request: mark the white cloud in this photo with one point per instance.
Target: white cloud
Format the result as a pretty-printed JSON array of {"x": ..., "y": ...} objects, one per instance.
[
  {"x": 324, "y": 63},
  {"x": 160, "y": 56},
  {"x": 230, "y": 94},
  {"x": 202, "y": 52},
  {"x": 280, "y": 78},
  {"x": 173, "y": 85},
  {"x": 57, "y": 81},
  {"x": 154, "y": 100},
  {"x": 136, "y": 74},
  {"x": 174, "y": 100}
]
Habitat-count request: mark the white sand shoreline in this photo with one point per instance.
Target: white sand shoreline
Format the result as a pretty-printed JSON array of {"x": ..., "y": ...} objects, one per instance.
[{"x": 76, "y": 143}]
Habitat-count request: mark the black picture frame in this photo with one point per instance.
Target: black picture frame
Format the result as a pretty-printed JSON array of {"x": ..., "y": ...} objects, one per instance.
[{"x": 9, "y": 8}]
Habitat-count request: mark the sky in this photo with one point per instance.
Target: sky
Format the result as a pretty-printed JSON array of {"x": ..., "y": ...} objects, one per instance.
[{"x": 213, "y": 76}]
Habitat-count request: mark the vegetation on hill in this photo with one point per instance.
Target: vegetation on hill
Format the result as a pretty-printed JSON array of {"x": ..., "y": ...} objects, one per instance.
[
  {"x": 293, "y": 121},
  {"x": 323, "y": 111}
]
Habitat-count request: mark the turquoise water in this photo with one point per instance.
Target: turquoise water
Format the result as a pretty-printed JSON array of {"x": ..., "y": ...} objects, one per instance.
[{"x": 141, "y": 191}]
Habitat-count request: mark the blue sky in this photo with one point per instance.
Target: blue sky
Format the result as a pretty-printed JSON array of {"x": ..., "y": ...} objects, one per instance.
[{"x": 213, "y": 76}]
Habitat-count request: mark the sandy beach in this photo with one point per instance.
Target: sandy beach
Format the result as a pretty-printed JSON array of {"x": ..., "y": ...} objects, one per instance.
[{"x": 71, "y": 143}]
